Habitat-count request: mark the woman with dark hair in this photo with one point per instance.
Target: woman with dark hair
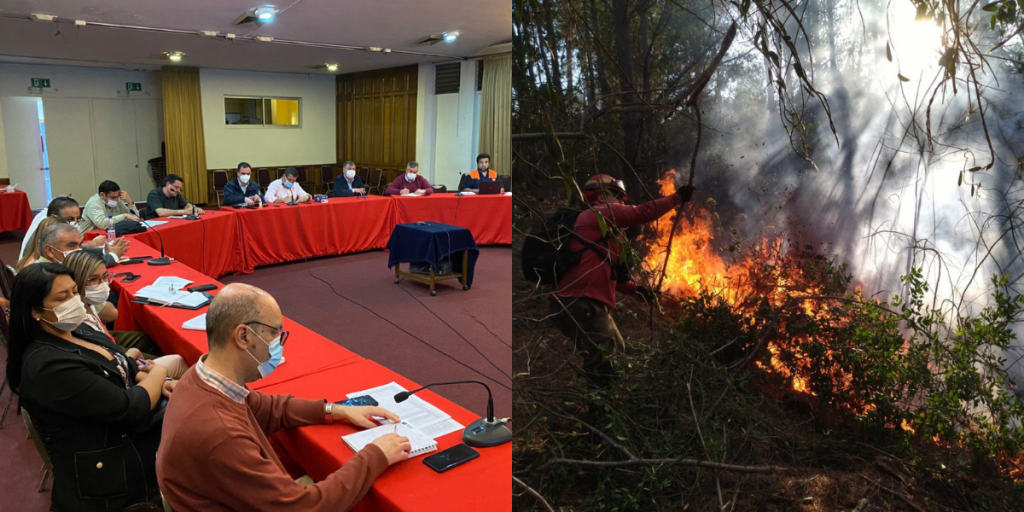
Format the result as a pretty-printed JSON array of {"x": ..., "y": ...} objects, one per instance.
[{"x": 93, "y": 408}]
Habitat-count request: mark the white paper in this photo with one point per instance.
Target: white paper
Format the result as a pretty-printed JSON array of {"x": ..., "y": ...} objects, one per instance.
[
  {"x": 442, "y": 428},
  {"x": 154, "y": 223},
  {"x": 414, "y": 410},
  {"x": 508, "y": 193},
  {"x": 176, "y": 216},
  {"x": 196, "y": 324},
  {"x": 420, "y": 443},
  {"x": 161, "y": 294},
  {"x": 172, "y": 282}
]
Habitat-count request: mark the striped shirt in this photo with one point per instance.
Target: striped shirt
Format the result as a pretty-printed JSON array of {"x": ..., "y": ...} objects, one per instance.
[{"x": 221, "y": 383}]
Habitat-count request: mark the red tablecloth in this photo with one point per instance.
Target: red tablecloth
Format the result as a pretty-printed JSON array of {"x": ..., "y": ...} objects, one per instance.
[
  {"x": 211, "y": 245},
  {"x": 489, "y": 218},
  {"x": 305, "y": 351},
  {"x": 341, "y": 226},
  {"x": 15, "y": 213},
  {"x": 480, "y": 484}
]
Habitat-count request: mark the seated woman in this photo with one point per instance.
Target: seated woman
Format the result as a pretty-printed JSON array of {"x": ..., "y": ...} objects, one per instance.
[
  {"x": 32, "y": 250},
  {"x": 95, "y": 411},
  {"x": 90, "y": 275}
]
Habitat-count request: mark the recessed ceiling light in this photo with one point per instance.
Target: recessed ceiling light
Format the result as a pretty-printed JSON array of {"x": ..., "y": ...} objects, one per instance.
[
  {"x": 450, "y": 37},
  {"x": 332, "y": 67},
  {"x": 266, "y": 14},
  {"x": 174, "y": 56}
]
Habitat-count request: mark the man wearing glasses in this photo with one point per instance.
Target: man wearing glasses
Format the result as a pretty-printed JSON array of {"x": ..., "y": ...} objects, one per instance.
[
  {"x": 214, "y": 453},
  {"x": 167, "y": 200}
]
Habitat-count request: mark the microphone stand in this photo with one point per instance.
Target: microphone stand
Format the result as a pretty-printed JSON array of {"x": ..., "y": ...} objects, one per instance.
[
  {"x": 162, "y": 260},
  {"x": 482, "y": 433}
]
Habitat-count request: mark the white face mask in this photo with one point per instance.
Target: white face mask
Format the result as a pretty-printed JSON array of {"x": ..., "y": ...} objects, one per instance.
[
  {"x": 244, "y": 179},
  {"x": 112, "y": 203},
  {"x": 350, "y": 174},
  {"x": 97, "y": 294},
  {"x": 410, "y": 176},
  {"x": 70, "y": 314},
  {"x": 74, "y": 224}
]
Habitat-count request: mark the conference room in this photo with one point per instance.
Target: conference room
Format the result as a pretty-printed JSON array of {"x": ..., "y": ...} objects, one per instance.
[{"x": 255, "y": 256}]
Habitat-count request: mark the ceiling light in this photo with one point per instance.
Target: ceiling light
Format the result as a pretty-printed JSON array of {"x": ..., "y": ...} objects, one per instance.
[
  {"x": 332, "y": 67},
  {"x": 265, "y": 14},
  {"x": 42, "y": 17},
  {"x": 174, "y": 56},
  {"x": 264, "y": 39},
  {"x": 450, "y": 37}
]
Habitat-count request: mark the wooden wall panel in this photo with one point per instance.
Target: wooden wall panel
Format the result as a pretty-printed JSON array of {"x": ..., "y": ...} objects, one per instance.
[{"x": 377, "y": 117}]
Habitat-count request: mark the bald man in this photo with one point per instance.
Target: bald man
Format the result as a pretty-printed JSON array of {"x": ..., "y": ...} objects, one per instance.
[{"x": 214, "y": 454}]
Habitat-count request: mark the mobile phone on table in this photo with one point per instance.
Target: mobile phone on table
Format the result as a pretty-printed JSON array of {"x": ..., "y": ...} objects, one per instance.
[
  {"x": 359, "y": 400},
  {"x": 447, "y": 459},
  {"x": 131, "y": 278},
  {"x": 202, "y": 288}
]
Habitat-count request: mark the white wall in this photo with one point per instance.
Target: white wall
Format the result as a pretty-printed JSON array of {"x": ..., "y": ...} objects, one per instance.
[
  {"x": 447, "y": 126},
  {"x": 76, "y": 82},
  {"x": 314, "y": 142},
  {"x": 3, "y": 146}
]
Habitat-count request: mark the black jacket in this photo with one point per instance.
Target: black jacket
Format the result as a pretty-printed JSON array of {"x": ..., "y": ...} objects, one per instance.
[
  {"x": 341, "y": 188},
  {"x": 235, "y": 194},
  {"x": 101, "y": 437}
]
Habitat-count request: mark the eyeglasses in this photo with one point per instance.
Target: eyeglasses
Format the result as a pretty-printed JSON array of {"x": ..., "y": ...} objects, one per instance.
[
  {"x": 94, "y": 280},
  {"x": 284, "y": 334}
]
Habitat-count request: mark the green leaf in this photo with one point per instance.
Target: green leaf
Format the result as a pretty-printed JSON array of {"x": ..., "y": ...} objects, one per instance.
[
  {"x": 902, "y": 78},
  {"x": 604, "y": 225},
  {"x": 960, "y": 181},
  {"x": 992, "y": 23},
  {"x": 774, "y": 57},
  {"x": 888, "y": 51},
  {"x": 972, "y": 190},
  {"x": 974, "y": 169},
  {"x": 992, "y": 7}
]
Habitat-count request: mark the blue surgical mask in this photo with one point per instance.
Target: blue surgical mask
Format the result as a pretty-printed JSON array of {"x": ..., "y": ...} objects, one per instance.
[
  {"x": 410, "y": 176},
  {"x": 288, "y": 184},
  {"x": 276, "y": 355}
]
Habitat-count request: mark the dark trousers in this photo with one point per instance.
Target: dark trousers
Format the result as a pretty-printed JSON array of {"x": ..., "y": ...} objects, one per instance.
[{"x": 589, "y": 324}]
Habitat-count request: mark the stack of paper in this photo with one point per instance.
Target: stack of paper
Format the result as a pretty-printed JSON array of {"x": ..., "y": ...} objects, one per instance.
[
  {"x": 172, "y": 282},
  {"x": 196, "y": 324},
  {"x": 415, "y": 411},
  {"x": 162, "y": 294},
  {"x": 419, "y": 442}
]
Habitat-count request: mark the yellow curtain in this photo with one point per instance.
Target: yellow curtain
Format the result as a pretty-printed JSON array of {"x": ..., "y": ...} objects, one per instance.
[
  {"x": 496, "y": 112},
  {"x": 183, "y": 131}
]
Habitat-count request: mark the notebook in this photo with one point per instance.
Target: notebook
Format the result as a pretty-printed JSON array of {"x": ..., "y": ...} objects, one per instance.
[
  {"x": 420, "y": 442},
  {"x": 196, "y": 324}
]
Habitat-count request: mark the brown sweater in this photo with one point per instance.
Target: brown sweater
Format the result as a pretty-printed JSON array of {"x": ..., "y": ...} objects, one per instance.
[{"x": 214, "y": 454}]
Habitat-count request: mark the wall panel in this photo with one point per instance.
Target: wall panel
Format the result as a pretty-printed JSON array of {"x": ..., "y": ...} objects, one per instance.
[{"x": 377, "y": 117}]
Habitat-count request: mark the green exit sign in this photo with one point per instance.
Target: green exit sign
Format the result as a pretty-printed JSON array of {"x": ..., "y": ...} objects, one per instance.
[
  {"x": 41, "y": 82},
  {"x": 133, "y": 86}
]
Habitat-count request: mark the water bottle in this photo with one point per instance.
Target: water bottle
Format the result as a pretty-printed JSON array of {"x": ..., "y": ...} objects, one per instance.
[{"x": 111, "y": 232}]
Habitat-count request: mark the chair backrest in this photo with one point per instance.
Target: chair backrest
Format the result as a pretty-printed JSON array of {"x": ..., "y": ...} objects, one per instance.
[
  {"x": 6, "y": 280},
  {"x": 375, "y": 176},
  {"x": 263, "y": 178},
  {"x": 462, "y": 182},
  {"x": 301, "y": 178},
  {"x": 506, "y": 182},
  {"x": 220, "y": 178},
  {"x": 326, "y": 174},
  {"x": 280, "y": 171},
  {"x": 440, "y": 189},
  {"x": 364, "y": 175},
  {"x": 36, "y": 440}
]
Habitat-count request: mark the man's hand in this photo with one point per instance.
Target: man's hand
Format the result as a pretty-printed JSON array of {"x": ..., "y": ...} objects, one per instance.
[
  {"x": 96, "y": 242},
  {"x": 131, "y": 217},
  {"x": 360, "y": 415},
  {"x": 305, "y": 199},
  {"x": 395, "y": 447},
  {"x": 168, "y": 388},
  {"x": 126, "y": 198},
  {"x": 420, "y": 192},
  {"x": 359, "y": 191},
  {"x": 119, "y": 247},
  {"x": 685, "y": 193},
  {"x": 250, "y": 201},
  {"x": 404, "y": 192},
  {"x": 196, "y": 210}
]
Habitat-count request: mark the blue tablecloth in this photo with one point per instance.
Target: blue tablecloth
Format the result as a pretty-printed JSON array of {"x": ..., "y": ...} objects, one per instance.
[{"x": 431, "y": 243}]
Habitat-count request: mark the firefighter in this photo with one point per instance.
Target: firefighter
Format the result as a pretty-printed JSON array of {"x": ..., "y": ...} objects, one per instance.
[{"x": 585, "y": 295}]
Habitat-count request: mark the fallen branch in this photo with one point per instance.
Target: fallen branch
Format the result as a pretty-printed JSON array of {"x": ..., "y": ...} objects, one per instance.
[
  {"x": 560, "y": 135},
  {"x": 657, "y": 462},
  {"x": 529, "y": 490}
]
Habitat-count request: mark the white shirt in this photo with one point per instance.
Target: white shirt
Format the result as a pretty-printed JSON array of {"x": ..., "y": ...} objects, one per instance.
[
  {"x": 31, "y": 230},
  {"x": 278, "y": 191}
]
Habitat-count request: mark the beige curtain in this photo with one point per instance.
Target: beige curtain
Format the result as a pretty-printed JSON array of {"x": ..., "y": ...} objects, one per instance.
[
  {"x": 183, "y": 131},
  {"x": 496, "y": 112}
]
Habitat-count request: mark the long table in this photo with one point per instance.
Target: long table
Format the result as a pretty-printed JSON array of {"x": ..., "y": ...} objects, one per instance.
[
  {"x": 15, "y": 212},
  {"x": 238, "y": 241},
  {"x": 317, "y": 368}
]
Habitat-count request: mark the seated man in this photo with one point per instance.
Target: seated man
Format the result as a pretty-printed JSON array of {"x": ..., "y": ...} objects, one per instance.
[
  {"x": 481, "y": 173},
  {"x": 242, "y": 189},
  {"x": 214, "y": 453},
  {"x": 63, "y": 207},
  {"x": 410, "y": 183},
  {"x": 287, "y": 190},
  {"x": 167, "y": 200},
  {"x": 110, "y": 204},
  {"x": 348, "y": 184},
  {"x": 61, "y": 239}
]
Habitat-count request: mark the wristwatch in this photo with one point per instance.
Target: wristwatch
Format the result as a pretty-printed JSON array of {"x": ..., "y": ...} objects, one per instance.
[{"x": 328, "y": 409}]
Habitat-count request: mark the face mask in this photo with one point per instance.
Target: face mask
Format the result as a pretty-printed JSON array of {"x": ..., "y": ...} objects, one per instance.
[
  {"x": 410, "y": 176},
  {"x": 97, "y": 294},
  {"x": 276, "y": 355},
  {"x": 74, "y": 224},
  {"x": 112, "y": 203},
  {"x": 288, "y": 184},
  {"x": 350, "y": 174},
  {"x": 70, "y": 314},
  {"x": 244, "y": 179},
  {"x": 65, "y": 253}
]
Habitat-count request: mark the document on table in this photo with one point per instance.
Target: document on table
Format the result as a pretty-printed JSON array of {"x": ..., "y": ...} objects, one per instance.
[
  {"x": 172, "y": 282},
  {"x": 164, "y": 295},
  {"x": 196, "y": 324},
  {"x": 419, "y": 442},
  {"x": 154, "y": 223},
  {"x": 415, "y": 410}
]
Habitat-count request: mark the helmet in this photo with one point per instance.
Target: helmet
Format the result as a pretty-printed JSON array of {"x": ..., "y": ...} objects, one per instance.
[{"x": 603, "y": 182}]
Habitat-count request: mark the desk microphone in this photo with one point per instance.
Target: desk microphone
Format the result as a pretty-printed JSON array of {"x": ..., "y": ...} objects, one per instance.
[
  {"x": 482, "y": 433},
  {"x": 162, "y": 260}
]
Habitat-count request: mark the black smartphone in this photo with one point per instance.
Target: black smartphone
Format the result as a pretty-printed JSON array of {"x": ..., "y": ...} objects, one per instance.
[
  {"x": 202, "y": 288},
  {"x": 122, "y": 274},
  {"x": 131, "y": 278},
  {"x": 359, "y": 400},
  {"x": 458, "y": 454}
]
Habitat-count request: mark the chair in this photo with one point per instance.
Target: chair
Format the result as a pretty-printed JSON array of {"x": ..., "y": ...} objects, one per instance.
[
  {"x": 373, "y": 183},
  {"x": 327, "y": 178},
  {"x": 364, "y": 175},
  {"x": 462, "y": 182},
  {"x": 263, "y": 178},
  {"x": 280, "y": 171},
  {"x": 506, "y": 182},
  {"x": 220, "y": 179},
  {"x": 439, "y": 189},
  {"x": 36, "y": 440},
  {"x": 6, "y": 280},
  {"x": 302, "y": 181},
  {"x": 5, "y": 334}
]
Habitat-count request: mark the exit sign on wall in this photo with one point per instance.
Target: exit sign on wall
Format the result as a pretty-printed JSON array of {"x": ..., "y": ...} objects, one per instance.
[
  {"x": 41, "y": 82},
  {"x": 133, "y": 86}
]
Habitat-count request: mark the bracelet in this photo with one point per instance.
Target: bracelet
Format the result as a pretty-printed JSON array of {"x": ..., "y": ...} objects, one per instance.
[{"x": 328, "y": 410}]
